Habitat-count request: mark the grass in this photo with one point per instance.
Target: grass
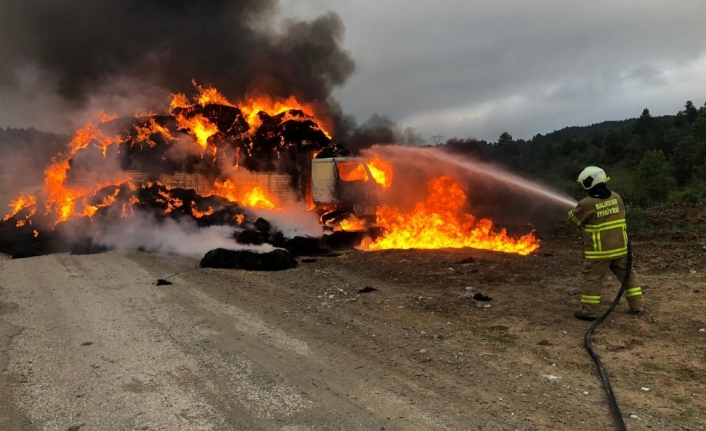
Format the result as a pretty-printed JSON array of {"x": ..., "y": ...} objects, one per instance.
[
  {"x": 651, "y": 366},
  {"x": 680, "y": 400},
  {"x": 686, "y": 374},
  {"x": 502, "y": 340}
]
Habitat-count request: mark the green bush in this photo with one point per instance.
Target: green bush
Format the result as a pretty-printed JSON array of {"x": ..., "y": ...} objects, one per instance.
[
  {"x": 653, "y": 180},
  {"x": 636, "y": 217}
]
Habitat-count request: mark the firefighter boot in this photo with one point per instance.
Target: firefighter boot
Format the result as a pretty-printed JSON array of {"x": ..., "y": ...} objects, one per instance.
[
  {"x": 635, "y": 301},
  {"x": 588, "y": 311}
]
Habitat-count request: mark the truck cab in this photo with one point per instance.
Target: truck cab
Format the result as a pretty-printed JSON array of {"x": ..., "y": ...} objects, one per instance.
[{"x": 342, "y": 186}]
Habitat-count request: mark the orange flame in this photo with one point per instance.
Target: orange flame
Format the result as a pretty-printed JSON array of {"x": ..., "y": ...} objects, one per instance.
[
  {"x": 256, "y": 198},
  {"x": 199, "y": 126},
  {"x": 198, "y": 214},
  {"x": 439, "y": 222},
  {"x": 105, "y": 118},
  {"x": 23, "y": 201},
  {"x": 352, "y": 171},
  {"x": 90, "y": 210},
  {"x": 172, "y": 203},
  {"x": 253, "y": 198},
  {"x": 210, "y": 95},
  {"x": 179, "y": 100},
  {"x": 352, "y": 224},
  {"x": 146, "y": 131},
  {"x": 90, "y": 133},
  {"x": 254, "y": 105},
  {"x": 381, "y": 171}
]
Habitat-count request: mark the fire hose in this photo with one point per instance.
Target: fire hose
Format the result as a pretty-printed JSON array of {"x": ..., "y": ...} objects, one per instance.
[{"x": 587, "y": 343}]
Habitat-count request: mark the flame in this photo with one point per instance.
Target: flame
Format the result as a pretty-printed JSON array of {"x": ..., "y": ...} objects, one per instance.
[
  {"x": 199, "y": 126},
  {"x": 198, "y": 214},
  {"x": 23, "y": 201},
  {"x": 36, "y": 233},
  {"x": 105, "y": 118},
  {"x": 253, "y": 198},
  {"x": 61, "y": 200},
  {"x": 381, "y": 171},
  {"x": 151, "y": 128},
  {"x": 352, "y": 224},
  {"x": 179, "y": 100},
  {"x": 254, "y": 105},
  {"x": 210, "y": 95},
  {"x": 172, "y": 203},
  {"x": 90, "y": 133},
  {"x": 352, "y": 171},
  {"x": 438, "y": 222},
  {"x": 256, "y": 198},
  {"x": 240, "y": 218},
  {"x": 90, "y": 210}
]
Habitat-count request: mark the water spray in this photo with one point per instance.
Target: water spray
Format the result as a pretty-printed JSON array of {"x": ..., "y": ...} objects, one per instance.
[{"x": 435, "y": 157}]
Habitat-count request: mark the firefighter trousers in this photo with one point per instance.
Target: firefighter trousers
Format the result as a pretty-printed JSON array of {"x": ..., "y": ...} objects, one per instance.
[{"x": 594, "y": 272}]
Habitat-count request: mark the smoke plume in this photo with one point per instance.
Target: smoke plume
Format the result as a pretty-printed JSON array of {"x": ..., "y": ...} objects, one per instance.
[
  {"x": 183, "y": 237},
  {"x": 78, "y": 48}
]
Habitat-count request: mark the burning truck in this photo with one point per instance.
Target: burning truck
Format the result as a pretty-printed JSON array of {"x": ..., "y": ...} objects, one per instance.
[{"x": 218, "y": 163}]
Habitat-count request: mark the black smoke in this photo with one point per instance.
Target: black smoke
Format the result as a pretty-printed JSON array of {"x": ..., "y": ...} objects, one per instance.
[
  {"x": 230, "y": 44},
  {"x": 76, "y": 48},
  {"x": 376, "y": 130}
]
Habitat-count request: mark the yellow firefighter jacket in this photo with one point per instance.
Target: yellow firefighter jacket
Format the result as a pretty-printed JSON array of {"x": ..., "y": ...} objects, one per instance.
[{"x": 604, "y": 229}]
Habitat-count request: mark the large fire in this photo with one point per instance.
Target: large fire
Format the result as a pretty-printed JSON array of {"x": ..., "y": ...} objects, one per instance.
[
  {"x": 258, "y": 129},
  {"x": 439, "y": 222}
]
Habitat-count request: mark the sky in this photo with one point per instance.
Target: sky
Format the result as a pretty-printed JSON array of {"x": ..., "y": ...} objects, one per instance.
[{"x": 468, "y": 68}]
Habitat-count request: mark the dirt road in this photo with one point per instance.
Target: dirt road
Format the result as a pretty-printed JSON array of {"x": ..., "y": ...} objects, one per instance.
[{"x": 91, "y": 343}]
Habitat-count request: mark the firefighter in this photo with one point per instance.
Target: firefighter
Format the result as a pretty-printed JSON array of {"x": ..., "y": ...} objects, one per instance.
[{"x": 601, "y": 215}]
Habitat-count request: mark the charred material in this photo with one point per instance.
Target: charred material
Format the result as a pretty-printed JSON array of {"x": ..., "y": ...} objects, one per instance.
[
  {"x": 275, "y": 260},
  {"x": 21, "y": 235}
]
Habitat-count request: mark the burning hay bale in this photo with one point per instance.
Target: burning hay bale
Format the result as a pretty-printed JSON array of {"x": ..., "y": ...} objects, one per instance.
[
  {"x": 25, "y": 233},
  {"x": 275, "y": 260}
]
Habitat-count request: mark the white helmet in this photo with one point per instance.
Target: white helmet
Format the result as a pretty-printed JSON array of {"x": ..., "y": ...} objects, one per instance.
[{"x": 592, "y": 176}]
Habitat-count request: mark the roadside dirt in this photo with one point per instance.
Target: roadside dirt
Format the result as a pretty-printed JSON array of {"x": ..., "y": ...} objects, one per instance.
[{"x": 305, "y": 349}]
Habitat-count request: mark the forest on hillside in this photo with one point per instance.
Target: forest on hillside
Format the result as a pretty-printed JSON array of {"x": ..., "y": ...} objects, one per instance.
[{"x": 651, "y": 160}]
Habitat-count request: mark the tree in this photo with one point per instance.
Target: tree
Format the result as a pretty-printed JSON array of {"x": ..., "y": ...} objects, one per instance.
[
  {"x": 645, "y": 123},
  {"x": 691, "y": 112},
  {"x": 653, "y": 180},
  {"x": 505, "y": 138},
  {"x": 614, "y": 148}
]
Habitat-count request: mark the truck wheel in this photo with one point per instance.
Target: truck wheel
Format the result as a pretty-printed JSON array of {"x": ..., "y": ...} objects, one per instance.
[{"x": 336, "y": 216}]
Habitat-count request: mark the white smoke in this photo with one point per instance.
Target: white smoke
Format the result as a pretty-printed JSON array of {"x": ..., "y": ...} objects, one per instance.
[
  {"x": 184, "y": 237},
  {"x": 293, "y": 220}
]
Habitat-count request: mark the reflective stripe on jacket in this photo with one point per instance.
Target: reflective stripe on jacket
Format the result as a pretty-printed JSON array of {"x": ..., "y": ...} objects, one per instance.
[{"x": 604, "y": 229}]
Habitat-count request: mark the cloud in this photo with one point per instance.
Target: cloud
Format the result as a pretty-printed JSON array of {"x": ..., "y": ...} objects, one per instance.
[{"x": 524, "y": 67}]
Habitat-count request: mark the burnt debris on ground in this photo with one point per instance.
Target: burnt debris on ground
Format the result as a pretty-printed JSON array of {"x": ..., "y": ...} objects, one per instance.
[{"x": 275, "y": 260}]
